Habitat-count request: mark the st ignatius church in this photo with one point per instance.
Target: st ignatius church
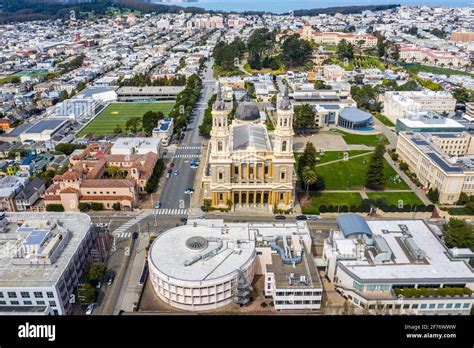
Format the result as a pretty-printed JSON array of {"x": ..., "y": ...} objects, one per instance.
[{"x": 247, "y": 166}]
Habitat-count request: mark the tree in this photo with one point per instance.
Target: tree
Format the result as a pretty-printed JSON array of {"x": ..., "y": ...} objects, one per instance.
[
  {"x": 97, "y": 206},
  {"x": 87, "y": 293},
  {"x": 433, "y": 195},
  {"x": 150, "y": 120},
  {"x": 81, "y": 85},
  {"x": 375, "y": 176},
  {"x": 133, "y": 124},
  {"x": 319, "y": 84},
  {"x": 295, "y": 51},
  {"x": 304, "y": 117},
  {"x": 96, "y": 271},
  {"x": 345, "y": 50},
  {"x": 309, "y": 177},
  {"x": 67, "y": 148},
  {"x": 118, "y": 130},
  {"x": 462, "y": 95},
  {"x": 459, "y": 234},
  {"x": 55, "y": 207},
  {"x": 117, "y": 206}
]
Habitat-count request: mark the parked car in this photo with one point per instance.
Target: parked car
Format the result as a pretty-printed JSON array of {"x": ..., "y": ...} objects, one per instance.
[
  {"x": 188, "y": 191},
  {"x": 99, "y": 284},
  {"x": 111, "y": 279},
  {"x": 183, "y": 220},
  {"x": 176, "y": 172},
  {"x": 280, "y": 217},
  {"x": 158, "y": 205},
  {"x": 90, "y": 308},
  {"x": 313, "y": 217},
  {"x": 301, "y": 217}
]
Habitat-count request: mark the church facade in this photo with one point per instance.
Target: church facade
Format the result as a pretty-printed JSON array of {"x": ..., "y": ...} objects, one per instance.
[{"x": 247, "y": 166}]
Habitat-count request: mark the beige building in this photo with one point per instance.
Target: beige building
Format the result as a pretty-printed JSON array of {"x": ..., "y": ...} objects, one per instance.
[
  {"x": 246, "y": 166},
  {"x": 463, "y": 36},
  {"x": 333, "y": 38},
  {"x": 412, "y": 54},
  {"x": 398, "y": 104},
  {"x": 442, "y": 161}
]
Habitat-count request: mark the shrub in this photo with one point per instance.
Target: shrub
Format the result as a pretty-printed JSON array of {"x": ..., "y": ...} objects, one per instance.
[
  {"x": 207, "y": 205},
  {"x": 117, "y": 206},
  {"x": 97, "y": 206},
  {"x": 393, "y": 208},
  {"x": 403, "y": 166},
  {"x": 84, "y": 206},
  {"x": 155, "y": 177},
  {"x": 55, "y": 207},
  {"x": 331, "y": 209},
  {"x": 353, "y": 209},
  {"x": 344, "y": 209},
  {"x": 407, "y": 208},
  {"x": 263, "y": 304},
  {"x": 323, "y": 209}
]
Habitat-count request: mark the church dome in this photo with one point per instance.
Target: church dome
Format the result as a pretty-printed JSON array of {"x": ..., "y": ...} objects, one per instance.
[{"x": 247, "y": 111}]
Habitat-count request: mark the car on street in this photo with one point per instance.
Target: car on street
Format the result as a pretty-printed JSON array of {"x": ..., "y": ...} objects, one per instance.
[
  {"x": 110, "y": 280},
  {"x": 158, "y": 205},
  {"x": 188, "y": 191},
  {"x": 183, "y": 220},
  {"x": 176, "y": 172},
  {"x": 89, "y": 309},
  {"x": 99, "y": 284},
  {"x": 171, "y": 165},
  {"x": 280, "y": 217},
  {"x": 313, "y": 217},
  {"x": 301, "y": 217}
]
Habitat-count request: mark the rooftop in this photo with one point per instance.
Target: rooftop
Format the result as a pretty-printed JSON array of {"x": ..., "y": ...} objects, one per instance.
[{"x": 250, "y": 136}]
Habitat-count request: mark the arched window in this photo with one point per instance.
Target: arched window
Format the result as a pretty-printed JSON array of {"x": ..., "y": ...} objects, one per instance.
[
  {"x": 283, "y": 145},
  {"x": 219, "y": 146},
  {"x": 286, "y": 122}
]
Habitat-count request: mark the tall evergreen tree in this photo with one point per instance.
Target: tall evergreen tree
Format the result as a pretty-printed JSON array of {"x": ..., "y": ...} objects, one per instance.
[{"x": 375, "y": 176}]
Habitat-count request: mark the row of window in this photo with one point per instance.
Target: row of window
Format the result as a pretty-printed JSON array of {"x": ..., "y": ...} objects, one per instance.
[
  {"x": 101, "y": 192},
  {"x": 424, "y": 306},
  {"x": 297, "y": 302},
  {"x": 26, "y": 294},
  {"x": 298, "y": 293},
  {"x": 28, "y": 303}
]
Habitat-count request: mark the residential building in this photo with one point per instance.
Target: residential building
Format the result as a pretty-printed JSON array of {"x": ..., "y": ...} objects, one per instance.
[
  {"x": 30, "y": 194},
  {"x": 10, "y": 186}
]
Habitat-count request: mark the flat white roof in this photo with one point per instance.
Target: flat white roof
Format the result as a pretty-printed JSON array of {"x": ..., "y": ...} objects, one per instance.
[
  {"x": 438, "y": 265},
  {"x": 448, "y": 122},
  {"x": 169, "y": 251}
]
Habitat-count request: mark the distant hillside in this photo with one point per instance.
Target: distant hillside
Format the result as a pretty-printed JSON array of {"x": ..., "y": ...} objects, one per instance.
[
  {"x": 33, "y": 10},
  {"x": 344, "y": 10}
]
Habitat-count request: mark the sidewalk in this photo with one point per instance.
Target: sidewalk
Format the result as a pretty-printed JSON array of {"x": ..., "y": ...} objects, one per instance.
[
  {"x": 198, "y": 195},
  {"x": 419, "y": 192}
]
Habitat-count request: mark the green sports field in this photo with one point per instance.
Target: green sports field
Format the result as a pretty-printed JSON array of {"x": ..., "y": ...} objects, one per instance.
[{"x": 118, "y": 114}]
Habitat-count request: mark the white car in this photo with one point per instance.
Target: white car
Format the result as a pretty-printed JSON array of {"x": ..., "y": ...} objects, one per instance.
[
  {"x": 313, "y": 217},
  {"x": 89, "y": 309}
]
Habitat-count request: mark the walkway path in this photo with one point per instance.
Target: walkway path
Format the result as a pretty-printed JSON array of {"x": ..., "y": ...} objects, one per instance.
[
  {"x": 419, "y": 192},
  {"x": 342, "y": 159}
]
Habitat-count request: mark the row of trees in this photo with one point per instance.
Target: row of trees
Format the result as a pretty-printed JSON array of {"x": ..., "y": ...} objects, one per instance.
[
  {"x": 206, "y": 125},
  {"x": 459, "y": 234},
  {"x": 367, "y": 204},
  {"x": 225, "y": 54},
  {"x": 152, "y": 183},
  {"x": 141, "y": 80},
  {"x": 185, "y": 102}
]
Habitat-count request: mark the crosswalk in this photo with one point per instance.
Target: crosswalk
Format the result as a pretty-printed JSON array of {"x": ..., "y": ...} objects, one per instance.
[
  {"x": 171, "y": 211},
  {"x": 123, "y": 235},
  {"x": 189, "y": 148},
  {"x": 130, "y": 223},
  {"x": 185, "y": 155}
]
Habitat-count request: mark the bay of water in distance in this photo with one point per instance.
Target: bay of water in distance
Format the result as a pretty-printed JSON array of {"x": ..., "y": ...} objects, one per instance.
[{"x": 284, "y": 6}]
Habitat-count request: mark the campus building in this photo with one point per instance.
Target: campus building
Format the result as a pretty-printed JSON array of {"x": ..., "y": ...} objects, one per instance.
[
  {"x": 397, "y": 104},
  {"x": 412, "y": 54},
  {"x": 429, "y": 122},
  {"x": 148, "y": 93},
  {"x": 370, "y": 261},
  {"x": 440, "y": 160},
  {"x": 46, "y": 257},
  {"x": 245, "y": 167},
  {"x": 96, "y": 176},
  {"x": 333, "y": 38},
  {"x": 208, "y": 264}
]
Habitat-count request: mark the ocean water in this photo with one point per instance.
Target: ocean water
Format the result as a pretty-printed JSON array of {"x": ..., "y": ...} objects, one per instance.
[{"x": 284, "y": 6}]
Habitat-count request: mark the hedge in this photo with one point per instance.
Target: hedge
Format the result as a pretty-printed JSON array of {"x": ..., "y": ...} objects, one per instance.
[
  {"x": 155, "y": 177},
  {"x": 55, "y": 207},
  {"x": 434, "y": 292},
  {"x": 364, "y": 207},
  {"x": 97, "y": 206}
]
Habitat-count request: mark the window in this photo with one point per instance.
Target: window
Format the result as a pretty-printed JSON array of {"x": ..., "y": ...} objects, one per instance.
[
  {"x": 12, "y": 294},
  {"x": 282, "y": 196},
  {"x": 1, "y": 294},
  {"x": 414, "y": 306},
  {"x": 432, "y": 305},
  {"x": 357, "y": 286},
  {"x": 40, "y": 302},
  {"x": 26, "y": 303},
  {"x": 3, "y": 302},
  {"x": 52, "y": 303},
  {"x": 423, "y": 306},
  {"x": 282, "y": 175},
  {"x": 25, "y": 294},
  {"x": 284, "y": 145},
  {"x": 221, "y": 176},
  {"x": 466, "y": 305},
  {"x": 449, "y": 305},
  {"x": 219, "y": 146},
  {"x": 457, "y": 305},
  {"x": 50, "y": 294},
  {"x": 13, "y": 303},
  {"x": 440, "y": 306},
  {"x": 406, "y": 306},
  {"x": 38, "y": 294}
]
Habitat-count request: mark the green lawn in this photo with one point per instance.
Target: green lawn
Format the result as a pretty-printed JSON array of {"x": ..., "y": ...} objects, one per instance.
[
  {"x": 331, "y": 198},
  {"x": 383, "y": 119},
  {"x": 280, "y": 71},
  {"x": 330, "y": 156},
  {"x": 416, "y": 68},
  {"x": 119, "y": 113},
  {"x": 361, "y": 139},
  {"x": 393, "y": 197},
  {"x": 350, "y": 175}
]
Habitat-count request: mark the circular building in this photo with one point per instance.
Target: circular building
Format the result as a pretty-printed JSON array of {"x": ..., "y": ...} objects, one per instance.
[
  {"x": 247, "y": 111},
  {"x": 354, "y": 118},
  {"x": 197, "y": 267}
]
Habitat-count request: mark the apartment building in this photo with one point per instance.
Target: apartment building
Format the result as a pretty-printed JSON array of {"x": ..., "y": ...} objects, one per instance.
[
  {"x": 444, "y": 161},
  {"x": 397, "y": 104}
]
